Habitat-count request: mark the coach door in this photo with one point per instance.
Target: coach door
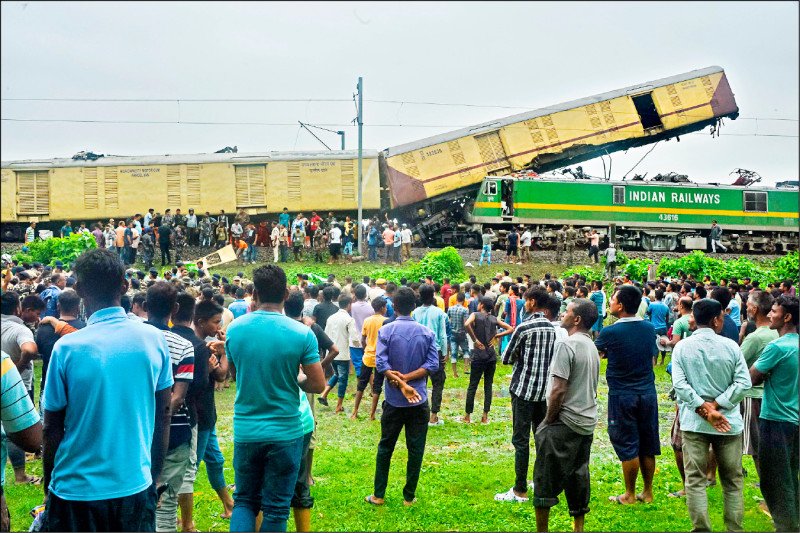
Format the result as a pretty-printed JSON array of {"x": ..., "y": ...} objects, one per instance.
[{"x": 507, "y": 198}]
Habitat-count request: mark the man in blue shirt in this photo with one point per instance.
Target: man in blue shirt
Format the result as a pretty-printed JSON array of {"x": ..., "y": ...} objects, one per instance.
[
  {"x": 372, "y": 242},
  {"x": 406, "y": 354},
  {"x": 729, "y": 329},
  {"x": 658, "y": 313},
  {"x": 267, "y": 350},
  {"x": 107, "y": 398},
  {"x": 629, "y": 344},
  {"x": 433, "y": 318},
  {"x": 239, "y": 306},
  {"x": 50, "y": 295}
]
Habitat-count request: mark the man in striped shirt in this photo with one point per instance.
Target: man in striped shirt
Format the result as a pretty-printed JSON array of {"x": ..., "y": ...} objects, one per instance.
[
  {"x": 161, "y": 303},
  {"x": 30, "y": 233},
  {"x": 530, "y": 351}
]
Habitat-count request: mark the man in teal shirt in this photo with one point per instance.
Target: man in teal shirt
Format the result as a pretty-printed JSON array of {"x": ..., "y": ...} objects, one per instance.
[
  {"x": 709, "y": 374},
  {"x": 66, "y": 229},
  {"x": 759, "y": 305},
  {"x": 777, "y": 368},
  {"x": 267, "y": 350}
]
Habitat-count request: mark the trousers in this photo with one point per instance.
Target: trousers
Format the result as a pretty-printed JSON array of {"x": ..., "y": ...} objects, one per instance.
[
  {"x": 525, "y": 417},
  {"x": 778, "y": 449},
  {"x": 715, "y": 243},
  {"x": 728, "y": 449},
  {"x": 393, "y": 420},
  {"x": 165, "y": 253},
  {"x": 486, "y": 251},
  {"x": 437, "y": 384},
  {"x": 487, "y": 371}
]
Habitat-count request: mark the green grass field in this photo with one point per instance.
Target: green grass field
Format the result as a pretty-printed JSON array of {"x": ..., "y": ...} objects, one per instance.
[{"x": 464, "y": 467}]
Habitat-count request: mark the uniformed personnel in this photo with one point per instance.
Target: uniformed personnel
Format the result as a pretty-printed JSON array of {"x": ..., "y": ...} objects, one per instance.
[
  {"x": 571, "y": 238},
  {"x": 560, "y": 243}
]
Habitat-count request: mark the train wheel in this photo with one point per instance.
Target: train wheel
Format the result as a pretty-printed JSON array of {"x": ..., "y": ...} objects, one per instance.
[
  {"x": 769, "y": 247},
  {"x": 647, "y": 243},
  {"x": 737, "y": 247}
]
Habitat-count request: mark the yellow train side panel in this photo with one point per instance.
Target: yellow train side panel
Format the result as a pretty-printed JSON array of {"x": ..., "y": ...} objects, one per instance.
[
  {"x": 8, "y": 196},
  {"x": 322, "y": 184}
]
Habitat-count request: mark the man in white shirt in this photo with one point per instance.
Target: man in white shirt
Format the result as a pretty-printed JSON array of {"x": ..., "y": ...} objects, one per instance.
[
  {"x": 405, "y": 236},
  {"x": 275, "y": 236},
  {"x": 525, "y": 243},
  {"x": 335, "y": 242},
  {"x": 341, "y": 328}
]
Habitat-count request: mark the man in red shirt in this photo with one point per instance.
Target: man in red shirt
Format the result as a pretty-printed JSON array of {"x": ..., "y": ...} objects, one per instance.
[
  {"x": 446, "y": 292},
  {"x": 313, "y": 225}
]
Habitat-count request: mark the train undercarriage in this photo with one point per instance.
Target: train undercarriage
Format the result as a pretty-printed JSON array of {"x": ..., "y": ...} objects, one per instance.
[{"x": 443, "y": 221}]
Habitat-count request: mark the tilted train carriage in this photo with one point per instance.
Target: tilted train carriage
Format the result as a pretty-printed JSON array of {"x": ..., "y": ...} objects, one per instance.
[
  {"x": 433, "y": 173},
  {"x": 650, "y": 215}
]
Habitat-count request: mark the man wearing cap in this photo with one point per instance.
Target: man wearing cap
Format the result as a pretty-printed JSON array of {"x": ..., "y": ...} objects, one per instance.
[
  {"x": 154, "y": 275},
  {"x": 405, "y": 238}
]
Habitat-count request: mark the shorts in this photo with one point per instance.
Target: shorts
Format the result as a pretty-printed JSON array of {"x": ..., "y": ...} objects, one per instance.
[
  {"x": 751, "y": 435},
  {"x": 297, "y": 249},
  {"x": 511, "y": 250},
  {"x": 633, "y": 425},
  {"x": 336, "y": 250},
  {"x": 455, "y": 345},
  {"x": 598, "y": 326},
  {"x": 562, "y": 464},
  {"x": 363, "y": 380},
  {"x": 348, "y": 248}
]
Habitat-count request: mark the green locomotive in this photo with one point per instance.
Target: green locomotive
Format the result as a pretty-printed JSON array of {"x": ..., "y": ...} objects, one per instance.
[{"x": 641, "y": 214}]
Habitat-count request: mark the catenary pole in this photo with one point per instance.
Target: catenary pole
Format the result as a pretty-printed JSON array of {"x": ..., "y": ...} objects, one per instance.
[{"x": 360, "y": 160}]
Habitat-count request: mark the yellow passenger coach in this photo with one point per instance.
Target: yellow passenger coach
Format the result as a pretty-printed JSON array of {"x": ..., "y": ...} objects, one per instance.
[{"x": 117, "y": 187}]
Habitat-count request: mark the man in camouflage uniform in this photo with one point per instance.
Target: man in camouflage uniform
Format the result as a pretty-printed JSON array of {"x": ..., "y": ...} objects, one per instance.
[
  {"x": 206, "y": 232},
  {"x": 168, "y": 219},
  {"x": 179, "y": 242},
  {"x": 148, "y": 247},
  {"x": 320, "y": 242},
  {"x": 560, "y": 244},
  {"x": 179, "y": 219},
  {"x": 571, "y": 238}
]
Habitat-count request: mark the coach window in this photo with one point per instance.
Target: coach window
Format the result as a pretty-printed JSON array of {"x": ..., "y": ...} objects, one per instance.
[
  {"x": 490, "y": 188},
  {"x": 755, "y": 202},
  {"x": 619, "y": 195}
]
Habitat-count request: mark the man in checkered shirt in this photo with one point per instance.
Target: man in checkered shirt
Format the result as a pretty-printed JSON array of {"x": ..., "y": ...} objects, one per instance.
[
  {"x": 530, "y": 351},
  {"x": 458, "y": 314}
]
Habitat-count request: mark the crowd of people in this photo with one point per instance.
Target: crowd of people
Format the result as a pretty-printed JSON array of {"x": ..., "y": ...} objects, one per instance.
[{"x": 130, "y": 367}]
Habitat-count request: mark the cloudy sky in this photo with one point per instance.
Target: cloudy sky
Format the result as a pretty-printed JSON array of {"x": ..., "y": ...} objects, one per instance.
[{"x": 304, "y": 60}]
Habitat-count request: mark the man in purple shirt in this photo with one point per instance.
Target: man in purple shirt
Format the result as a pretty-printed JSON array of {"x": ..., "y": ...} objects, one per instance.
[
  {"x": 360, "y": 311},
  {"x": 406, "y": 354},
  {"x": 99, "y": 238}
]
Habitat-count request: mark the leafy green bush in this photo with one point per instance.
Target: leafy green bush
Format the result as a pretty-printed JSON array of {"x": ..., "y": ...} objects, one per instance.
[
  {"x": 54, "y": 249},
  {"x": 446, "y": 263},
  {"x": 786, "y": 267},
  {"x": 699, "y": 264},
  {"x": 591, "y": 273},
  {"x": 636, "y": 269}
]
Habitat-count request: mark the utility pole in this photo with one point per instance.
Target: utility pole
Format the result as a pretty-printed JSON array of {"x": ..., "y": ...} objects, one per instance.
[{"x": 360, "y": 120}]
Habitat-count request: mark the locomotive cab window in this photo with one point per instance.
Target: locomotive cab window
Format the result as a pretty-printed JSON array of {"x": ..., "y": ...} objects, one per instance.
[
  {"x": 647, "y": 110},
  {"x": 619, "y": 195},
  {"x": 755, "y": 202},
  {"x": 490, "y": 188}
]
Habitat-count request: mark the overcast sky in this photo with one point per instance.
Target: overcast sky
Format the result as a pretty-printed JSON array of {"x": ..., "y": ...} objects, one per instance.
[{"x": 528, "y": 55}]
